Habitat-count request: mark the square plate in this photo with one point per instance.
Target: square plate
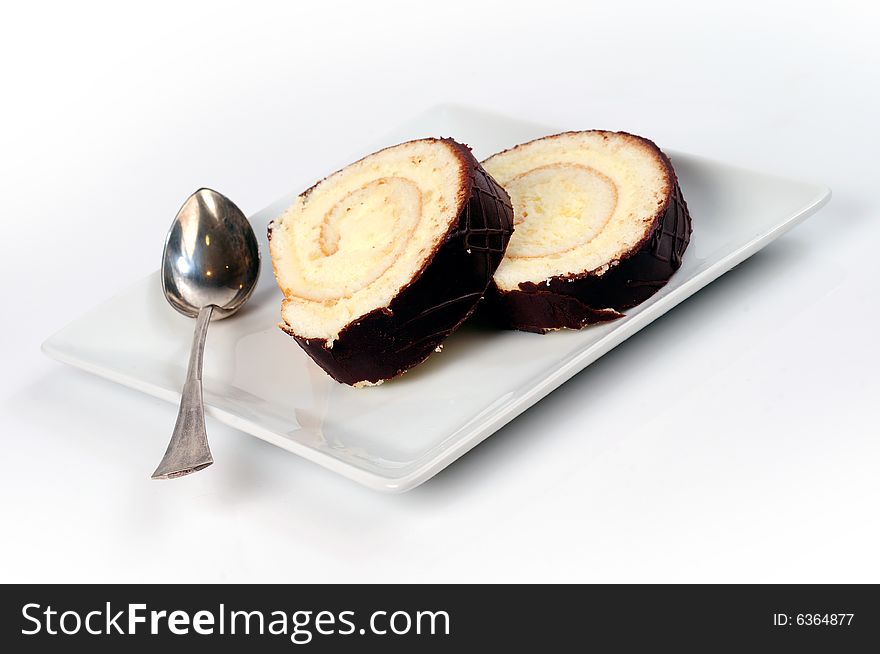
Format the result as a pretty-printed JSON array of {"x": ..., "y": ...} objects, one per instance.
[{"x": 395, "y": 436}]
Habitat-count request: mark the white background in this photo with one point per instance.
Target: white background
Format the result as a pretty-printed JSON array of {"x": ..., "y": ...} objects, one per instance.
[{"x": 736, "y": 439}]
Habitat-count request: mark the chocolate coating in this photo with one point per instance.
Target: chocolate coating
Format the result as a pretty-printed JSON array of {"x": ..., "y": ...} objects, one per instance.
[
  {"x": 579, "y": 300},
  {"x": 439, "y": 298}
]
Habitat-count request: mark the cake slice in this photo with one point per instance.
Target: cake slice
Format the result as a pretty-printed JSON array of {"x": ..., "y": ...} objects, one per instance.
[
  {"x": 601, "y": 225},
  {"x": 384, "y": 259}
]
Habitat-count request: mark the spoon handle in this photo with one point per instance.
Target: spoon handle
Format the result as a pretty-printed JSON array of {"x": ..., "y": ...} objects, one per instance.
[{"x": 188, "y": 450}]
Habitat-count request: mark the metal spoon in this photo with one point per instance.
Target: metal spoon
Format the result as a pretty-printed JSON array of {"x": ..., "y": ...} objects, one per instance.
[{"x": 210, "y": 267}]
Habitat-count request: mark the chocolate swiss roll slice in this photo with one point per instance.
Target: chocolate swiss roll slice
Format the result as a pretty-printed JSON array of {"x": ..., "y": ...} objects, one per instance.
[
  {"x": 384, "y": 259},
  {"x": 601, "y": 225}
]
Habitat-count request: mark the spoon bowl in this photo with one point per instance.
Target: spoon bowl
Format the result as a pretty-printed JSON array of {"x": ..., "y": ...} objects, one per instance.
[
  {"x": 210, "y": 267},
  {"x": 211, "y": 256}
]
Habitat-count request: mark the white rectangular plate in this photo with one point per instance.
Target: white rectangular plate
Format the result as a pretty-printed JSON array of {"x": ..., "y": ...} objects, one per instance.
[{"x": 396, "y": 436}]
